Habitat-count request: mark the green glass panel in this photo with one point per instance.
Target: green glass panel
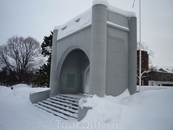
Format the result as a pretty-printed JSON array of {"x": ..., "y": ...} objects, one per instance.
[{"x": 70, "y": 80}]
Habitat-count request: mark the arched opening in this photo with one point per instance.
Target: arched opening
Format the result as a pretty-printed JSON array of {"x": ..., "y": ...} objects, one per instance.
[{"x": 73, "y": 73}]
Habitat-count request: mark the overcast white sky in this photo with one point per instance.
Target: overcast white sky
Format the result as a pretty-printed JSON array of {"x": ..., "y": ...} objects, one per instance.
[{"x": 36, "y": 18}]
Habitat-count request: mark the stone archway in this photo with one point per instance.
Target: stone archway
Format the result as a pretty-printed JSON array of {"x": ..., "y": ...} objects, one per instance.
[{"x": 71, "y": 78}]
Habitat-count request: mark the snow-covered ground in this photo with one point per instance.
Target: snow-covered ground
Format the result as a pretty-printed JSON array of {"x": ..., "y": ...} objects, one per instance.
[{"x": 146, "y": 110}]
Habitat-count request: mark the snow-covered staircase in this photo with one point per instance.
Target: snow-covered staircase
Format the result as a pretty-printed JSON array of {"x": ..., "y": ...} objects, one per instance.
[{"x": 63, "y": 105}]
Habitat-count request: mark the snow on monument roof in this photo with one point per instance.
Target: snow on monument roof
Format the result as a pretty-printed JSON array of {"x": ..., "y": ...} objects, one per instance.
[
  {"x": 83, "y": 20},
  {"x": 103, "y": 2},
  {"x": 114, "y": 9}
]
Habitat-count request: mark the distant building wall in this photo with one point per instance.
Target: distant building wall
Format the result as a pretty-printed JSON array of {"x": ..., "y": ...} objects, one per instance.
[
  {"x": 160, "y": 78},
  {"x": 160, "y": 83}
]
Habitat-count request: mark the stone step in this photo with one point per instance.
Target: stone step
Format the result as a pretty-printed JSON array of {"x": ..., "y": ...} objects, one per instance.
[
  {"x": 60, "y": 106},
  {"x": 75, "y": 97},
  {"x": 67, "y": 98},
  {"x": 67, "y": 113},
  {"x": 65, "y": 101},
  {"x": 64, "y": 106},
  {"x": 54, "y": 112}
]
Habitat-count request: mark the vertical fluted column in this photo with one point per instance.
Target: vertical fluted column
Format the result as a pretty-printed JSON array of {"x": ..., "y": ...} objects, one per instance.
[{"x": 98, "y": 50}]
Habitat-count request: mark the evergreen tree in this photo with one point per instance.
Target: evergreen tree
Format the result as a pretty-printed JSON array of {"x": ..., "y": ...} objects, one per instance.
[{"x": 42, "y": 76}]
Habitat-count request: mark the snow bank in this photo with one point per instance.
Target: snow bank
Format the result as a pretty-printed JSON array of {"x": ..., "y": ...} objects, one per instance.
[
  {"x": 17, "y": 113},
  {"x": 5, "y": 90},
  {"x": 18, "y": 86},
  {"x": 147, "y": 110},
  {"x": 146, "y": 88},
  {"x": 20, "y": 92},
  {"x": 103, "y": 112}
]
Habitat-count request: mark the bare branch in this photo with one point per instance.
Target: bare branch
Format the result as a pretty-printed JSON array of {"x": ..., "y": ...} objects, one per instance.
[
  {"x": 145, "y": 47},
  {"x": 19, "y": 54}
]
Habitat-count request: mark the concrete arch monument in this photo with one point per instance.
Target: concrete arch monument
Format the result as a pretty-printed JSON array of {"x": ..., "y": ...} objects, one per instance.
[{"x": 95, "y": 53}]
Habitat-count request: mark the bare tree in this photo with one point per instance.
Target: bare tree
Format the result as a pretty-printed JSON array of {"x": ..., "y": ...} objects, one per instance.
[
  {"x": 20, "y": 55},
  {"x": 145, "y": 47},
  {"x": 153, "y": 67}
]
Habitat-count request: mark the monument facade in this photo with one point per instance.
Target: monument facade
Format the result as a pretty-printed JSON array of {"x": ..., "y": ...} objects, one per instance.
[{"x": 95, "y": 53}]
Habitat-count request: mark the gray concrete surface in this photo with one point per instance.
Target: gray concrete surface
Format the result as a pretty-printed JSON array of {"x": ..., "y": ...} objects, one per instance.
[
  {"x": 39, "y": 96},
  {"x": 107, "y": 47}
]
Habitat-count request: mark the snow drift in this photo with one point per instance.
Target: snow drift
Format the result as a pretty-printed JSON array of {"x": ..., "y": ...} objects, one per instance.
[{"x": 147, "y": 110}]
